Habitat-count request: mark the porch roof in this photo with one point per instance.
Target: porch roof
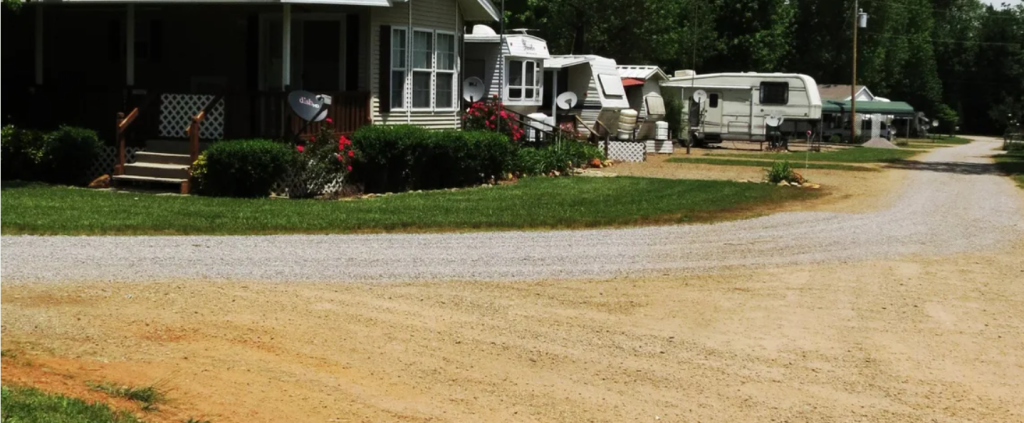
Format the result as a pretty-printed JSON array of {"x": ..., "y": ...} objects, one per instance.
[{"x": 473, "y": 10}]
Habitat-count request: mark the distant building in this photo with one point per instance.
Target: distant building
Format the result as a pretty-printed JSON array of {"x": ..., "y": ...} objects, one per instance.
[{"x": 837, "y": 92}]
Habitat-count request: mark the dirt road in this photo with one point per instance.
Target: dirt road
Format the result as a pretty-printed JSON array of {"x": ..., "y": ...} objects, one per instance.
[
  {"x": 906, "y": 332},
  {"x": 953, "y": 202}
]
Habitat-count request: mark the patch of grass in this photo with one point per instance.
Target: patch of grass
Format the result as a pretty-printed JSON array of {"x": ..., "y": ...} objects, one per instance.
[
  {"x": 194, "y": 420},
  {"x": 8, "y": 353},
  {"x": 532, "y": 203},
  {"x": 846, "y": 155},
  {"x": 147, "y": 395},
  {"x": 29, "y": 405},
  {"x": 940, "y": 140},
  {"x": 765, "y": 163},
  {"x": 1012, "y": 163}
]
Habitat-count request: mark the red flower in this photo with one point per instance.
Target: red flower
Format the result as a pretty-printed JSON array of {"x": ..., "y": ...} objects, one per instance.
[
  {"x": 300, "y": 148},
  {"x": 504, "y": 114},
  {"x": 351, "y": 153},
  {"x": 338, "y": 156},
  {"x": 329, "y": 120},
  {"x": 311, "y": 139},
  {"x": 348, "y": 168}
]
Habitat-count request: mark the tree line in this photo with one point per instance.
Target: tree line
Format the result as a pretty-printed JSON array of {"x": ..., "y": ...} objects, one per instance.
[{"x": 948, "y": 58}]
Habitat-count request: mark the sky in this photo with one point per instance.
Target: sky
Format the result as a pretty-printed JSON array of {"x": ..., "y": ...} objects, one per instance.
[{"x": 999, "y": 2}]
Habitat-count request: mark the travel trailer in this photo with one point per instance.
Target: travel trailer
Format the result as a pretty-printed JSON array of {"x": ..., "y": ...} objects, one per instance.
[
  {"x": 597, "y": 85},
  {"x": 643, "y": 91},
  {"x": 521, "y": 87},
  {"x": 735, "y": 105}
]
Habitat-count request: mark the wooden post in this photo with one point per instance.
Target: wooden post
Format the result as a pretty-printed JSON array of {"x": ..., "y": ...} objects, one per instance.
[
  {"x": 119, "y": 168},
  {"x": 193, "y": 137}
]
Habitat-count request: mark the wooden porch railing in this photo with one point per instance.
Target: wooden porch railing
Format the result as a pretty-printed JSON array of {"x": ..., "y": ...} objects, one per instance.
[
  {"x": 121, "y": 126},
  {"x": 195, "y": 126}
]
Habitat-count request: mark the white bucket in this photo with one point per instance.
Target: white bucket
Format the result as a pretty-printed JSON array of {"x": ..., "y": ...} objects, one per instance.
[
  {"x": 627, "y": 122},
  {"x": 661, "y": 131}
]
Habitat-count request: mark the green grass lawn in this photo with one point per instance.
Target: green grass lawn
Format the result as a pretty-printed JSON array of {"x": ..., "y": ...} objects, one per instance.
[
  {"x": 796, "y": 160},
  {"x": 847, "y": 155},
  {"x": 28, "y": 405},
  {"x": 940, "y": 140},
  {"x": 531, "y": 203},
  {"x": 1012, "y": 163}
]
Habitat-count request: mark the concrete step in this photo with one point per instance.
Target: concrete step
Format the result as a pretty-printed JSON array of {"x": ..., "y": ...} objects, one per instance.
[
  {"x": 157, "y": 170},
  {"x": 163, "y": 158},
  {"x": 172, "y": 146},
  {"x": 136, "y": 178}
]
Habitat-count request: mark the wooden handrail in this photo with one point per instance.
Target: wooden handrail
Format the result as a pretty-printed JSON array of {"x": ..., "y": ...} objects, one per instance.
[
  {"x": 121, "y": 126},
  {"x": 193, "y": 128}
]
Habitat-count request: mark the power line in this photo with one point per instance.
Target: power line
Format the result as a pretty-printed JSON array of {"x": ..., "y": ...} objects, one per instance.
[{"x": 946, "y": 40}]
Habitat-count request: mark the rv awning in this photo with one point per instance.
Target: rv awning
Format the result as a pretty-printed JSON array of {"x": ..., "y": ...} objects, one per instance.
[
  {"x": 472, "y": 10},
  {"x": 869, "y": 107},
  {"x": 631, "y": 82},
  {"x": 563, "y": 62}
]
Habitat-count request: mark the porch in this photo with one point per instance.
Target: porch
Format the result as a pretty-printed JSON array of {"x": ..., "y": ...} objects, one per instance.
[{"x": 168, "y": 61}]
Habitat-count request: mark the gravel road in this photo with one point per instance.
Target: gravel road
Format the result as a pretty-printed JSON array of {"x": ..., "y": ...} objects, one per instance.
[{"x": 953, "y": 202}]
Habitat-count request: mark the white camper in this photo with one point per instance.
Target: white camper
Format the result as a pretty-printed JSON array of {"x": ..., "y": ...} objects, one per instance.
[
  {"x": 735, "y": 105},
  {"x": 521, "y": 87},
  {"x": 596, "y": 83},
  {"x": 643, "y": 91}
]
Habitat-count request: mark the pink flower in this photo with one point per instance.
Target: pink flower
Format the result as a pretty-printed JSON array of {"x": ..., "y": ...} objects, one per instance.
[
  {"x": 300, "y": 148},
  {"x": 504, "y": 114},
  {"x": 351, "y": 153},
  {"x": 329, "y": 120},
  {"x": 311, "y": 139},
  {"x": 338, "y": 156},
  {"x": 348, "y": 168}
]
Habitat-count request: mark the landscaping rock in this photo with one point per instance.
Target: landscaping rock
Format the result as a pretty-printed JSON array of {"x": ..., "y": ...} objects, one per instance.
[
  {"x": 783, "y": 184},
  {"x": 879, "y": 143},
  {"x": 101, "y": 182}
]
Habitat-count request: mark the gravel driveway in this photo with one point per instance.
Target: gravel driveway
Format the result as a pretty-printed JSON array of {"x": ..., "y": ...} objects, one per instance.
[{"x": 953, "y": 202}]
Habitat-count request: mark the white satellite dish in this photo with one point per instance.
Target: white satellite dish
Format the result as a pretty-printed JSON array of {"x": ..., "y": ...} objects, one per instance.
[
  {"x": 473, "y": 89},
  {"x": 566, "y": 100},
  {"x": 773, "y": 120},
  {"x": 699, "y": 96}
]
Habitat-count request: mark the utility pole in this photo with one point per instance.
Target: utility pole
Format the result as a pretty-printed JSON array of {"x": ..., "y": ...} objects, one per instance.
[{"x": 853, "y": 87}]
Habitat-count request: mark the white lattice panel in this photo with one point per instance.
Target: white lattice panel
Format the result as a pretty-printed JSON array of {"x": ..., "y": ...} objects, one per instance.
[
  {"x": 107, "y": 159},
  {"x": 294, "y": 184},
  {"x": 177, "y": 110},
  {"x": 627, "y": 151}
]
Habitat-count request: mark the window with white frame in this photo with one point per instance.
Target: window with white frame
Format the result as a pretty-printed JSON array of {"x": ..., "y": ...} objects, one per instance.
[
  {"x": 399, "y": 65},
  {"x": 444, "y": 97},
  {"x": 524, "y": 83},
  {"x": 428, "y": 63},
  {"x": 422, "y": 68}
]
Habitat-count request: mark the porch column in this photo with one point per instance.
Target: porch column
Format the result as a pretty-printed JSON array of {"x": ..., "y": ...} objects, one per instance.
[
  {"x": 286, "y": 47},
  {"x": 129, "y": 77},
  {"x": 554, "y": 96},
  {"x": 39, "y": 44}
]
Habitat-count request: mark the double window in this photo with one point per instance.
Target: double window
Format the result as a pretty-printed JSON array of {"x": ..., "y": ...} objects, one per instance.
[
  {"x": 524, "y": 80},
  {"x": 431, "y": 67}
]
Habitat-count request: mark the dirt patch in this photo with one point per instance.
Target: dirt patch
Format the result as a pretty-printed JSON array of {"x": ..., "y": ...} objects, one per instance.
[
  {"x": 846, "y": 191},
  {"x": 912, "y": 339}
]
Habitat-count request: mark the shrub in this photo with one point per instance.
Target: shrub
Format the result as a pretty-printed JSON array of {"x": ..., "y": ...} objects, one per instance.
[
  {"x": 780, "y": 171},
  {"x": 244, "y": 168},
  {"x": 323, "y": 159},
  {"x": 835, "y": 139},
  {"x": 902, "y": 143},
  {"x": 490, "y": 115},
  {"x": 561, "y": 157},
  {"x": 63, "y": 156},
  {"x": 399, "y": 158}
]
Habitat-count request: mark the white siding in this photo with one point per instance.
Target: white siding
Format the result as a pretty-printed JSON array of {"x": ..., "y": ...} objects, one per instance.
[
  {"x": 493, "y": 66},
  {"x": 426, "y": 14}
]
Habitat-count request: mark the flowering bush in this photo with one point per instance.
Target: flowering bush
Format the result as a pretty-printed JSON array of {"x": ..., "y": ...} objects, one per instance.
[
  {"x": 490, "y": 115},
  {"x": 324, "y": 158}
]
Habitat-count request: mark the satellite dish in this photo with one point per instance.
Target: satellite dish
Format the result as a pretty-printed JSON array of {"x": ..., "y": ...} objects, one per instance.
[
  {"x": 473, "y": 89},
  {"x": 699, "y": 96},
  {"x": 773, "y": 120},
  {"x": 566, "y": 100},
  {"x": 309, "y": 106}
]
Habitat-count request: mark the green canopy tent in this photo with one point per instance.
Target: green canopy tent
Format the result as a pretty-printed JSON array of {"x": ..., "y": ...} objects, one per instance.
[{"x": 894, "y": 108}]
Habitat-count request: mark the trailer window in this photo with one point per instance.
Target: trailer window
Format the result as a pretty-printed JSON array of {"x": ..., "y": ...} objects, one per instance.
[
  {"x": 774, "y": 93},
  {"x": 713, "y": 101},
  {"x": 523, "y": 82}
]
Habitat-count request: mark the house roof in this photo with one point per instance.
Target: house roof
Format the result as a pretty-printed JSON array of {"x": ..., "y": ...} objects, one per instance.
[
  {"x": 869, "y": 107},
  {"x": 641, "y": 72},
  {"x": 558, "y": 62},
  {"x": 838, "y": 92},
  {"x": 472, "y": 10}
]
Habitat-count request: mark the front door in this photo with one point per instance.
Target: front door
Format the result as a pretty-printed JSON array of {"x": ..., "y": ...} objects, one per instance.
[{"x": 713, "y": 118}]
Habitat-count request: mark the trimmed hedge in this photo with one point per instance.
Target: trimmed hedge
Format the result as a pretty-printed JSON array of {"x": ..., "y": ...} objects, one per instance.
[
  {"x": 400, "y": 158},
  {"x": 63, "y": 156},
  {"x": 243, "y": 168}
]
